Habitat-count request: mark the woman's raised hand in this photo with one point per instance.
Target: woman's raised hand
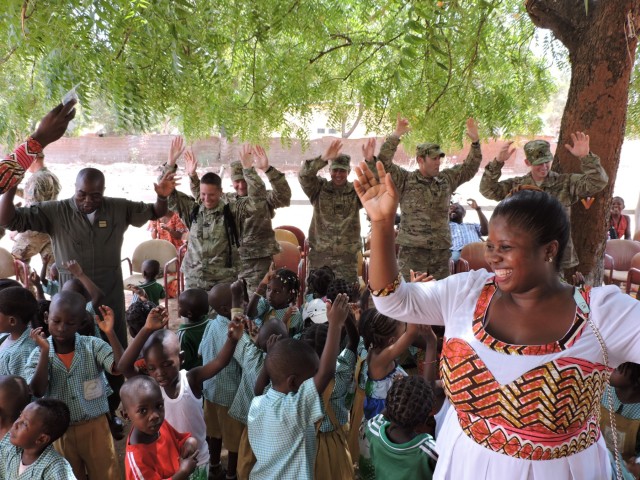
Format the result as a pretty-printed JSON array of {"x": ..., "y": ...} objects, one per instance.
[{"x": 379, "y": 198}]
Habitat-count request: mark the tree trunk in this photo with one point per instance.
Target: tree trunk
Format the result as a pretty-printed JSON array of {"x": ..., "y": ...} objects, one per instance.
[{"x": 602, "y": 49}]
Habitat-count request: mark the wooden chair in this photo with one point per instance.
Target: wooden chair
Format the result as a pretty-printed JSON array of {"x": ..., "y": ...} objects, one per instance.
[
  {"x": 633, "y": 276},
  {"x": 472, "y": 258},
  {"x": 620, "y": 253},
  {"x": 162, "y": 251}
]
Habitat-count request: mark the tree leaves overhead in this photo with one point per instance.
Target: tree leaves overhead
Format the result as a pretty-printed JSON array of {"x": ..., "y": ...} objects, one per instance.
[{"x": 259, "y": 67}]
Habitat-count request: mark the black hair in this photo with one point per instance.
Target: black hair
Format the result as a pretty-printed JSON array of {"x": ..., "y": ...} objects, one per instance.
[
  {"x": 55, "y": 416},
  {"x": 72, "y": 301},
  {"x": 75, "y": 285},
  {"x": 316, "y": 336},
  {"x": 340, "y": 285},
  {"x": 617, "y": 198},
  {"x": 289, "y": 356},
  {"x": 153, "y": 264},
  {"x": 539, "y": 214},
  {"x": 211, "y": 178},
  {"x": 319, "y": 280},
  {"x": 198, "y": 301},
  {"x": 8, "y": 282},
  {"x": 289, "y": 281},
  {"x": 137, "y": 314},
  {"x": 409, "y": 402},
  {"x": 18, "y": 395},
  {"x": 90, "y": 174},
  {"x": 159, "y": 339},
  {"x": 20, "y": 303},
  {"x": 632, "y": 371},
  {"x": 139, "y": 381},
  {"x": 376, "y": 328},
  {"x": 38, "y": 321}
]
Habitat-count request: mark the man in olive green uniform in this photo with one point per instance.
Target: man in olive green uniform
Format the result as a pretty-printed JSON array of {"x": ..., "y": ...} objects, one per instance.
[
  {"x": 334, "y": 234},
  {"x": 41, "y": 186},
  {"x": 425, "y": 194},
  {"x": 258, "y": 242},
  {"x": 89, "y": 228},
  {"x": 568, "y": 188}
]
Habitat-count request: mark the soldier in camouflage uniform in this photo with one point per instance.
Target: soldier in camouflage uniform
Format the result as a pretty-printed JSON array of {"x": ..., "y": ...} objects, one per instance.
[
  {"x": 258, "y": 242},
  {"x": 425, "y": 194},
  {"x": 568, "y": 188},
  {"x": 41, "y": 186},
  {"x": 334, "y": 234}
]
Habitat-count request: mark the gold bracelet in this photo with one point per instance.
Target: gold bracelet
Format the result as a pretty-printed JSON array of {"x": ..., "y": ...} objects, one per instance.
[{"x": 388, "y": 290}]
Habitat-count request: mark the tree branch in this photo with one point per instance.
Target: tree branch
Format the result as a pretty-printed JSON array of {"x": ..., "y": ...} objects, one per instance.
[
  {"x": 355, "y": 123},
  {"x": 8, "y": 55},
  {"x": 325, "y": 52},
  {"x": 564, "y": 18}
]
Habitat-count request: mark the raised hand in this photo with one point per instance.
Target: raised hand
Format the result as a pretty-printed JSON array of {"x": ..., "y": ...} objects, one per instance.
[
  {"x": 236, "y": 328},
  {"x": 472, "y": 203},
  {"x": 166, "y": 185},
  {"x": 420, "y": 276},
  {"x": 472, "y": 130},
  {"x": 177, "y": 147},
  {"x": 402, "y": 126},
  {"x": 190, "y": 162},
  {"x": 246, "y": 156},
  {"x": 379, "y": 199},
  {"x": 74, "y": 268},
  {"x": 55, "y": 123},
  {"x": 339, "y": 309},
  {"x": 333, "y": 151},
  {"x": 290, "y": 312},
  {"x": 505, "y": 152},
  {"x": 34, "y": 278},
  {"x": 369, "y": 149},
  {"x": 157, "y": 319},
  {"x": 108, "y": 319},
  {"x": 237, "y": 288},
  {"x": 37, "y": 335},
  {"x": 262, "y": 161},
  {"x": 580, "y": 147}
]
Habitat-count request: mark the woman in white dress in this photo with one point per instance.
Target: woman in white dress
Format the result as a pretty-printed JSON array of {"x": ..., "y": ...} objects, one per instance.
[{"x": 526, "y": 356}]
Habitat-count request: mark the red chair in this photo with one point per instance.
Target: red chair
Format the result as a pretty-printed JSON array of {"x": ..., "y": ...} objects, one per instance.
[
  {"x": 472, "y": 258},
  {"x": 633, "y": 276},
  {"x": 299, "y": 235},
  {"x": 620, "y": 253}
]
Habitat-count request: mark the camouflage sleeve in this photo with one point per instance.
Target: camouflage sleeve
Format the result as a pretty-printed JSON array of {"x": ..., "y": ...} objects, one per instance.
[
  {"x": 183, "y": 205},
  {"x": 242, "y": 208},
  {"x": 280, "y": 193},
  {"x": 308, "y": 176},
  {"x": 466, "y": 171},
  {"x": 490, "y": 187},
  {"x": 255, "y": 186},
  {"x": 194, "y": 185},
  {"x": 386, "y": 154},
  {"x": 166, "y": 168},
  {"x": 592, "y": 180}
]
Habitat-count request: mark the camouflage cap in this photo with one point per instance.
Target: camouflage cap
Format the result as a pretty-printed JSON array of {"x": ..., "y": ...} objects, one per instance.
[
  {"x": 343, "y": 162},
  {"x": 538, "y": 152},
  {"x": 236, "y": 171},
  {"x": 431, "y": 150}
]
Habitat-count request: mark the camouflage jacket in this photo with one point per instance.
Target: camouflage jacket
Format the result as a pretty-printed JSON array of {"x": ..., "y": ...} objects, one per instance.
[
  {"x": 424, "y": 202},
  {"x": 257, "y": 238},
  {"x": 41, "y": 186},
  {"x": 335, "y": 225},
  {"x": 211, "y": 254},
  {"x": 568, "y": 188}
]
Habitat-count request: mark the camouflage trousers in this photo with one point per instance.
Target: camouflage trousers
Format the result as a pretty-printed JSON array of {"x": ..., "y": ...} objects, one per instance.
[
  {"x": 344, "y": 266},
  {"x": 253, "y": 271},
  {"x": 29, "y": 244},
  {"x": 435, "y": 262}
]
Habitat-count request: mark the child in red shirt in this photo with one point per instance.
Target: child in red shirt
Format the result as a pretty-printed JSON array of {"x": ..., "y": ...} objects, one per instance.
[{"x": 155, "y": 450}]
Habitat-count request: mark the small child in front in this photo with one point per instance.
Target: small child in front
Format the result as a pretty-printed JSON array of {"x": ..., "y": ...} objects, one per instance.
[
  {"x": 281, "y": 422},
  {"x": 193, "y": 306},
  {"x": 150, "y": 289},
  {"x": 397, "y": 450},
  {"x": 276, "y": 297},
  {"x": 68, "y": 367},
  {"x": 18, "y": 307},
  {"x": 31, "y": 454},
  {"x": 154, "y": 449}
]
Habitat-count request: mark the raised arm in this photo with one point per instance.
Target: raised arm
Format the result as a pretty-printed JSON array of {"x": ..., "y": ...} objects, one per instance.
[
  {"x": 280, "y": 193},
  {"x": 468, "y": 169},
  {"x": 40, "y": 381},
  {"x": 593, "y": 178},
  {"x": 490, "y": 186},
  {"x": 484, "y": 223},
  {"x": 163, "y": 188},
  {"x": 97, "y": 295},
  {"x": 337, "y": 315},
  {"x": 158, "y": 318},
  {"x": 388, "y": 151},
  {"x": 106, "y": 326},
  {"x": 308, "y": 174}
]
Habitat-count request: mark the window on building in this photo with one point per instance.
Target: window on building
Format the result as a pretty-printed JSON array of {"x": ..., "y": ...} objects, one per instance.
[
  {"x": 321, "y": 130},
  {"x": 332, "y": 131}
]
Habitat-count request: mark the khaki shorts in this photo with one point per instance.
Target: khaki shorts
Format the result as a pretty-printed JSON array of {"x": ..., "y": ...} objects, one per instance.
[{"x": 221, "y": 425}]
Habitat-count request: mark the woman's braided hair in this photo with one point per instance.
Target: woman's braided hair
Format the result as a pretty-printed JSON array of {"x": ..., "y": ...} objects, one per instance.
[
  {"x": 376, "y": 329},
  {"x": 409, "y": 402},
  {"x": 319, "y": 281},
  {"x": 289, "y": 281}
]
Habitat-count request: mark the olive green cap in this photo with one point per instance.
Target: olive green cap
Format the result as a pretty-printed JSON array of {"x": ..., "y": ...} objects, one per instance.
[
  {"x": 236, "y": 172},
  {"x": 343, "y": 162},
  {"x": 538, "y": 152},
  {"x": 431, "y": 150}
]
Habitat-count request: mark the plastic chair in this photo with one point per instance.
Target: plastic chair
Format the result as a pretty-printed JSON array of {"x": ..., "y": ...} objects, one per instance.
[
  {"x": 620, "y": 253},
  {"x": 636, "y": 236},
  {"x": 633, "y": 276},
  {"x": 12, "y": 267},
  {"x": 299, "y": 235},
  {"x": 286, "y": 236},
  {"x": 182, "y": 251},
  {"x": 162, "y": 251},
  {"x": 472, "y": 258}
]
